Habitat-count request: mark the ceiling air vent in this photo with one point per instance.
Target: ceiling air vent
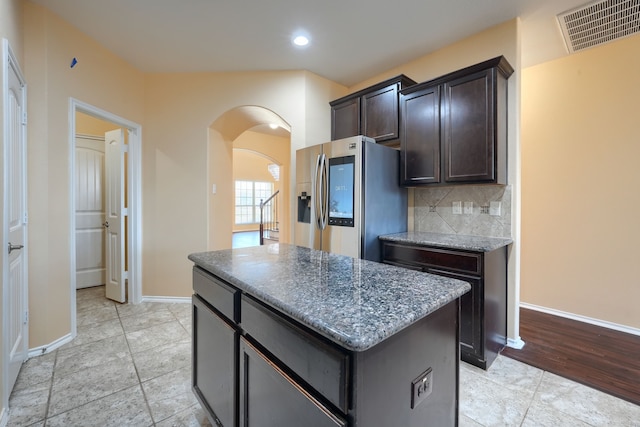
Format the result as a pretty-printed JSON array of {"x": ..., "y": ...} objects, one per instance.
[{"x": 598, "y": 23}]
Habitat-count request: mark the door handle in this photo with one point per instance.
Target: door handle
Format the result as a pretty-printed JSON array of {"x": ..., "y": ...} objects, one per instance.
[
  {"x": 106, "y": 224},
  {"x": 318, "y": 192},
  {"x": 14, "y": 247}
]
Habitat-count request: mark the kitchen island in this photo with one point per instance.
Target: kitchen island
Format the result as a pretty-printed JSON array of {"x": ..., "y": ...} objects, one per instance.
[{"x": 285, "y": 335}]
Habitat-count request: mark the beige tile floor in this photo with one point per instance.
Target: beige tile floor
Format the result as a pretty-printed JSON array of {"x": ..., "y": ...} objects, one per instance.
[{"x": 130, "y": 366}]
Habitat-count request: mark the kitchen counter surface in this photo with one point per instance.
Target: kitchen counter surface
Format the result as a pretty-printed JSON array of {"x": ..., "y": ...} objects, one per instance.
[
  {"x": 452, "y": 241},
  {"x": 354, "y": 303}
]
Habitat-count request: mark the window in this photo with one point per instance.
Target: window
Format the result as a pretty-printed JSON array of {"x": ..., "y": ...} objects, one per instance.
[{"x": 248, "y": 196}]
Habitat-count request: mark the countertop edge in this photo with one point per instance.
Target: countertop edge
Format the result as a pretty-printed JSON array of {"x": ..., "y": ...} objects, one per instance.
[{"x": 449, "y": 241}]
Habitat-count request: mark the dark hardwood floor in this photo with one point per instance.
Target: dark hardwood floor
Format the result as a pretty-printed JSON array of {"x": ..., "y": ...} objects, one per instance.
[{"x": 601, "y": 358}]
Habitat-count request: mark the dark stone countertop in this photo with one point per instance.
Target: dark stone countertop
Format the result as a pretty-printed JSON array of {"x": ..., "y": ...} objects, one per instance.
[
  {"x": 450, "y": 241},
  {"x": 353, "y": 302}
]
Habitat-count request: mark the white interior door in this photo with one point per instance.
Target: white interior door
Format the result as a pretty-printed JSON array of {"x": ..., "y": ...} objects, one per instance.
[
  {"x": 115, "y": 214},
  {"x": 14, "y": 257},
  {"x": 90, "y": 216}
]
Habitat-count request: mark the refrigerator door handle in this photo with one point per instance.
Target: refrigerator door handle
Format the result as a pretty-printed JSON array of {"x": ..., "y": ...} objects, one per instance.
[
  {"x": 318, "y": 193},
  {"x": 321, "y": 191}
]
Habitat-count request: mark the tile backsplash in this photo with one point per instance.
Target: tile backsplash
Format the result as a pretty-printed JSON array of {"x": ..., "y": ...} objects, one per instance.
[{"x": 433, "y": 210}]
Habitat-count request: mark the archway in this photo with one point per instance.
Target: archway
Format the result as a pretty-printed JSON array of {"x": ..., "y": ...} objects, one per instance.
[{"x": 253, "y": 128}]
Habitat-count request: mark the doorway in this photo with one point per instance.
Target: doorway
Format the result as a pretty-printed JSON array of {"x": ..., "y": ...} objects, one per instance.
[
  {"x": 128, "y": 262},
  {"x": 244, "y": 129}
]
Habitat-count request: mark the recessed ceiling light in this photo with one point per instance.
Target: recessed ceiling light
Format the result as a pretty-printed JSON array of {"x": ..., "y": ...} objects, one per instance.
[
  {"x": 301, "y": 40},
  {"x": 273, "y": 126}
]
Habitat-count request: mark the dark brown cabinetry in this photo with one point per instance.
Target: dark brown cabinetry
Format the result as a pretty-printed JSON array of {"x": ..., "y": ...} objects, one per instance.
[
  {"x": 483, "y": 311},
  {"x": 215, "y": 349},
  {"x": 454, "y": 128},
  {"x": 269, "y": 397},
  {"x": 373, "y": 112},
  {"x": 254, "y": 366}
]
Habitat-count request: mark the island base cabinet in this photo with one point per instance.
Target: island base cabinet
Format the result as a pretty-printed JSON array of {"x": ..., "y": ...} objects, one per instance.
[
  {"x": 215, "y": 356},
  {"x": 269, "y": 397},
  {"x": 385, "y": 375}
]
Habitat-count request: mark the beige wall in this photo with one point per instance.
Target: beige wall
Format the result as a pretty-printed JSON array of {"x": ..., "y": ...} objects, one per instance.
[
  {"x": 11, "y": 14},
  {"x": 100, "y": 79},
  {"x": 580, "y": 180},
  {"x": 178, "y": 148},
  {"x": 503, "y": 39}
]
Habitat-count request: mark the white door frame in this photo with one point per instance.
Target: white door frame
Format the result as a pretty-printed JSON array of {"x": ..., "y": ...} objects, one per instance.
[{"x": 134, "y": 195}]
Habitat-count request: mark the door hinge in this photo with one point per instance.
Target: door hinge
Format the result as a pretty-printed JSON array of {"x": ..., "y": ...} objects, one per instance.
[
  {"x": 25, "y": 220},
  {"x": 24, "y": 117},
  {"x": 26, "y": 317}
]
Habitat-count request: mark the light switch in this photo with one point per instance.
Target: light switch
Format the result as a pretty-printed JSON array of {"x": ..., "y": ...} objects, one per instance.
[
  {"x": 468, "y": 208},
  {"x": 214, "y": 188},
  {"x": 457, "y": 208},
  {"x": 495, "y": 208}
]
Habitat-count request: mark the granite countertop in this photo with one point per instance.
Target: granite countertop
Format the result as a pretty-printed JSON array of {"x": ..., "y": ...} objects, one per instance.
[
  {"x": 353, "y": 302},
  {"x": 451, "y": 241}
]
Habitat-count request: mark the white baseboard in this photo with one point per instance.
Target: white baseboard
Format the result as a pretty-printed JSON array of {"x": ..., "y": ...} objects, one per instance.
[
  {"x": 180, "y": 300},
  {"x": 38, "y": 351},
  {"x": 580, "y": 318},
  {"x": 516, "y": 343},
  {"x": 4, "y": 417}
]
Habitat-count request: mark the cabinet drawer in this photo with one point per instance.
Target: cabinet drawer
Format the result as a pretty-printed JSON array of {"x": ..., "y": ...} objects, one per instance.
[
  {"x": 269, "y": 397},
  {"x": 221, "y": 296},
  {"x": 466, "y": 262},
  {"x": 321, "y": 365}
]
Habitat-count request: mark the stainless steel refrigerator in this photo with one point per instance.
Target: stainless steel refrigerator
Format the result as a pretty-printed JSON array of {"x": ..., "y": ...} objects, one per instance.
[{"x": 348, "y": 194}]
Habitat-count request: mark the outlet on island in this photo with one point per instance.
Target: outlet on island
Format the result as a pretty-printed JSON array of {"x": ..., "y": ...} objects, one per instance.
[{"x": 421, "y": 388}]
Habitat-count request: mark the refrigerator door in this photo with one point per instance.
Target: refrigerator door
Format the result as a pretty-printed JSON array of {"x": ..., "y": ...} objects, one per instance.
[
  {"x": 307, "y": 232},
  {"x": 344, "y": 221}
]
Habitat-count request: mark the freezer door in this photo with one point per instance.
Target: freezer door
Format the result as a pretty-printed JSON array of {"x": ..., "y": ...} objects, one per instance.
[
  {"x": 307, "y": 233},
  {"x": 344, "y": 220}
]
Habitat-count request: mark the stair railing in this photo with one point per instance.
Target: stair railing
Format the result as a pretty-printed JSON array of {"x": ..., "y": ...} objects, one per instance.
[{"x": 269, "y": 226}]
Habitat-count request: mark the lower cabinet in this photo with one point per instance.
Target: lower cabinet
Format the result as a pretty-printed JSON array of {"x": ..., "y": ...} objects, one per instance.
[
  {"x": 265, "y": 369},
  {"x": 215, "y": 358},
  {"x": 269, "y": 397},
  {"x": 483, "y": 310}
]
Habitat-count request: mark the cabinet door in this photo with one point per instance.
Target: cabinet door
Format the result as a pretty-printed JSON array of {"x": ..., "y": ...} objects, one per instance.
[
  {"x": 468, "y": 126},
  {"x": 420, "y": 143},
  {"x": 471, "y": 316},
  {"x": 380, "y": 114},
  {"x": 215, "y": 357},
  {"x": 345, "y": 119},
  {"x": 269, "y": 397}
]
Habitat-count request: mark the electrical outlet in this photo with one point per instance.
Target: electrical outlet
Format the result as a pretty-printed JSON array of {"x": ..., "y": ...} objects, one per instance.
[
  {"x": 457, "y": 208},
  {"x": 468, "y": 208},
  {"x": 421, "y": 388},
  {"x": 495, "y": 208}
]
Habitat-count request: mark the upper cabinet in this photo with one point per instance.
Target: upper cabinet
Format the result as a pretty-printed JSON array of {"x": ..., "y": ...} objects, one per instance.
[
  {"x": 373, "y": 112},
  {"x": 454, "y": 128}
]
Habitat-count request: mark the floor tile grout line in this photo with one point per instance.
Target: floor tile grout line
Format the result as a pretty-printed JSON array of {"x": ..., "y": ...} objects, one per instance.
[
  {"x": 50, "y": 396},
  {"x": 135, "y": 367}
]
